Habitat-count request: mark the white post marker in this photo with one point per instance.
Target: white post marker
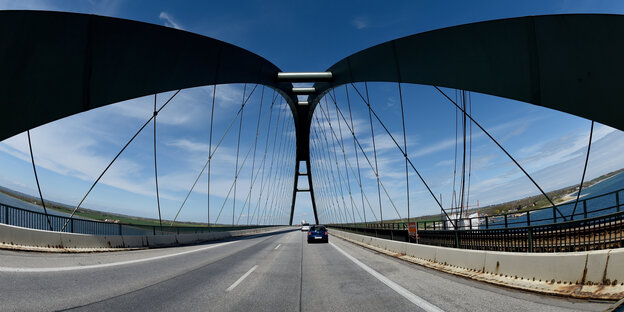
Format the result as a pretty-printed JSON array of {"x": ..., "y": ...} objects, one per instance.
[
  {"x": 278, "y": 245},
  {"x": 238, "y": 281},
  {"x": 422, "y": 303}
]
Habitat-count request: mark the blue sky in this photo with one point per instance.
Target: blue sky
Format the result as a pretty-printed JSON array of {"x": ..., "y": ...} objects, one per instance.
[{"x": 305, "y": 36}]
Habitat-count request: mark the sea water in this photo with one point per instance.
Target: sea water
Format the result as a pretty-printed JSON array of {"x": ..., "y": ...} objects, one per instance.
[{"x": 596, "y": 206}]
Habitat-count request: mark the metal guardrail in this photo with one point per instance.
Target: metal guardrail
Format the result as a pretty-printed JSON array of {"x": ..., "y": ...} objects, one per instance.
[
  {"x": 590, "y": 233},
  {"x": 36, "y": 220},
  {"x": 595, "y": 233},
  {"x": 586, "y": 208}
]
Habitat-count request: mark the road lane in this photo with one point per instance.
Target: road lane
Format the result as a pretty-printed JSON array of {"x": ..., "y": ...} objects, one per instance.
[
  {"x": 278, "y": 272},
  {"x": 420, "y": 302},
  {"x": 332, "y": 282},
  {"x": 62, "y": 290},
  {"x": 453, "y": 293}
]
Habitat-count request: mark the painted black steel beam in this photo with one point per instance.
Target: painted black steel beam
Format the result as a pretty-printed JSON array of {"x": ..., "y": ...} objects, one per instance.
[{"x": 571, "y": 63}]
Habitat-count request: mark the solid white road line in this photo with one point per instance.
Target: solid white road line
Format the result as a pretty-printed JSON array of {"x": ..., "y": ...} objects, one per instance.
[
  {"x": 105, "y": 265},
  {"x": 242, "y": 278},
  {"x": 422, "y": 303},
  {"x": 277, "y": 246}
]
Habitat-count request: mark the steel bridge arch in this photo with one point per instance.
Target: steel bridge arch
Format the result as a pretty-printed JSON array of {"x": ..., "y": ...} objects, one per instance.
[
  {"x": 570, "y": 62},
  {"x": 58, "y": 64}
]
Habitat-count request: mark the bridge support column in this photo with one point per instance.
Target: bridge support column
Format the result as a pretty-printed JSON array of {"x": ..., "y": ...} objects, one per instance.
[{"x": 309, "y": 189}]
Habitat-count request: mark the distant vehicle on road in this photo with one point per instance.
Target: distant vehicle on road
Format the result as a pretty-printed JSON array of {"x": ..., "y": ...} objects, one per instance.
[
  {"x": 318, "y": 233},
  {"x": 305, "y": 226}
]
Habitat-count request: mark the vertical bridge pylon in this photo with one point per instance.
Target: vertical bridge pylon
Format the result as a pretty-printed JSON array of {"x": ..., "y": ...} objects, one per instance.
[{"x": 302, "y": 124}]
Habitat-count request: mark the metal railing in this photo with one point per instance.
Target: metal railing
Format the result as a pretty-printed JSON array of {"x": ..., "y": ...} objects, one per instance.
[
  {"x": 36, "y": 220},
  {"x": 600, "y": 228}
]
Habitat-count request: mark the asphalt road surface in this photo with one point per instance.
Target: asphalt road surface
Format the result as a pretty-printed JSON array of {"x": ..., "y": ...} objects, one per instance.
[{"x": 270, "y": 272}]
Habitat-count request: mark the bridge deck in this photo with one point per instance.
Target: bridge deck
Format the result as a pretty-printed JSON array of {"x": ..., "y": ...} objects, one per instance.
[{"x": 281, "y": 273}]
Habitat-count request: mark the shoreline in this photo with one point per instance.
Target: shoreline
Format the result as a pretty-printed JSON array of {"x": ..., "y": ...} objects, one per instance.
[{"x": 572, "y": 196}]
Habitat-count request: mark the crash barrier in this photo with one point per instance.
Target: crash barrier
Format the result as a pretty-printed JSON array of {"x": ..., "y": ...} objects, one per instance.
[
  {"x": 56, "y": 221},
  {"x": 15, "y": 237},
  {"x": 587, "y": 274}
]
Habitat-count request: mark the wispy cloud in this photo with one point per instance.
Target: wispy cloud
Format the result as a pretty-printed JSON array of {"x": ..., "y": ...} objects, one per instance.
[
  {"x": 99, "y": 7},
  {"x": 169, "y": 20},
  {"x": 564, "y": 170},
  {"x": 27, "y": 5},
  {"x": 360, "y": 22},
  {"x": 518, "y": 126}
]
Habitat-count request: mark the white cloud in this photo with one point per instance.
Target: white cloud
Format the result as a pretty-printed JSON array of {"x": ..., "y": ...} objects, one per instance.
[
  {"x": 360, "y": 22},
  {"x": 27, "y": 5},
  {"x": 101, "y": 7},
  {"x": 66, "y": 150},
  {"x": 444, "y": 163},
  {"x": 169, "y": 20},
  {"x": 190, "y": 108},
  {"x": 554, "y": 174}
]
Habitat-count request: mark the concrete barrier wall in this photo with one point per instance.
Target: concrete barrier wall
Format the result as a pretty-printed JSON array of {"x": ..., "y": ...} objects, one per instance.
[
  {"x": 24, "y": 238},
  {"x": 602, "y": 267}
]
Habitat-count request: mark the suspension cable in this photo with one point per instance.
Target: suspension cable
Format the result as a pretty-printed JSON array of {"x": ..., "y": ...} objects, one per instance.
[
  {"x": 578, "y": 195},
  {"x": 264, "y": 210},
  {"x": 365, "y": 156},
  {"x": 214, "y": 92},
  {"x": 463, "y": 177},
  {"x": 278, "y": 176},
  {"x": 369, "y": 163},
  {"x": 253, "y": 164},
  {"x": 263, "y": 164},
  {"x": 259, "y": 207},
  {"x": 401, "y": 149},
  {"x": 383, "y": 187},
  {"x": 344, "y": 154},
  {"x": 470, "y": 150},
  {"x": 268, "y": 213},
  {"x": 156, "y": 166},
  {"x": 32, "y": 158},
  {"x": 210, "y": 157},
  {"x": 327, "y": 158},
  {"x": 405, "y": 153},
  {"x": 237, "y": 173},
  {"x": 333, "y": 182},
  {"x": 321, "y": 177},
  {"x": 505, "y": 151},
  {"x": 240, "y": 128},
  {"x": 344, "y": 204},
  {"x": 115, "y": 158},
  {"x": 355, "y": 150},
  {"x": 454, "y": 198},
  {"x": 370, "y": 118}
]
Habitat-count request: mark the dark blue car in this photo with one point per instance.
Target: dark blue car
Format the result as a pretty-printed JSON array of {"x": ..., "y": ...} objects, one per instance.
[{"x": 318, "y": 233}]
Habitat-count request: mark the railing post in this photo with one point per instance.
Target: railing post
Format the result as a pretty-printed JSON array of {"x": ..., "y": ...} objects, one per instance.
[
  {"x": 585, "y": 208},
  {"x": 119, "y": 224},
  {"x": 487, "y": 225},
  {"x": 153, "y": 229},
  {"x": 470, "y": 220},
  {"x": 456, "y": 239},
  {"x": 529, "y": 218},
  {"x": 6, "y": 214},
  {"x": 505, "y": 220},
  {"x": 617, "y": 201},
  {"x": 554, "y": 214},
  {"x": 72, "y": 224},
  {"x": 530, "y": 232}
]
